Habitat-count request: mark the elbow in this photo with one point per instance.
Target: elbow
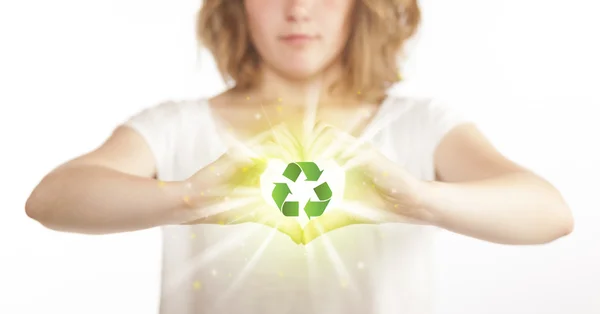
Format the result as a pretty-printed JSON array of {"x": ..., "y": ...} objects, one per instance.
[
  {"x": 567, "y": 222},
  {"x": 37, "y": 206},
  {"x": 563, "y": 224},
  {"x": 34, "y": 209}
]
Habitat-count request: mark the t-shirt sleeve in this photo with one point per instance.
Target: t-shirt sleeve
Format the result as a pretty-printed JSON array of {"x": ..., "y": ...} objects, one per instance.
[
  {"x": 158, "y": 126},
  {"x": 440, "y": 117}
]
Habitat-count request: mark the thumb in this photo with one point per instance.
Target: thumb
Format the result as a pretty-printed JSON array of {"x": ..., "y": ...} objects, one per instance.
[
  {"x": 328, "y": 222},
  {"x": 286, "y": 225}
]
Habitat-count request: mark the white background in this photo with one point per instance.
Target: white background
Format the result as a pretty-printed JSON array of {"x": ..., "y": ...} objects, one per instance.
[{"x": 70, "y": 71}]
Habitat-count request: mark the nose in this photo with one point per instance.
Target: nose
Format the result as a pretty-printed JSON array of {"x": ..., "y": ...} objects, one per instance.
[{"x": 298, "y": 10}]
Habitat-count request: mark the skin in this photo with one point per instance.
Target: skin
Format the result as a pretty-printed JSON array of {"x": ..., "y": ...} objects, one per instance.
[{"x": 112, "y": 188}]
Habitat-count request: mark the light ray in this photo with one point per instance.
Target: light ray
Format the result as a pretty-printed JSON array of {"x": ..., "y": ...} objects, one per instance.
[
  {"x": 211, "y": 253},
  {"x": 338, "y": 265},
  {"x": 247, "y": 268}
]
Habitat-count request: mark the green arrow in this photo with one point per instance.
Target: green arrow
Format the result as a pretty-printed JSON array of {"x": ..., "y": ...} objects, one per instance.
[
  {"x": 311, "y": 170},
  {"x": 280, "y": 193},
  {"x": 291, "y": 209},
  {"x": 323, "y": 191},
  {"x": 292, "y": 171},
  {"x": 316, "y": 208}
]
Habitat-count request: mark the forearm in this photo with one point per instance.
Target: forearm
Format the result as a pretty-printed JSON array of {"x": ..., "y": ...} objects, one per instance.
[
  {"x": 517, "y": 208},
  {"x": 98, "y": 200}
]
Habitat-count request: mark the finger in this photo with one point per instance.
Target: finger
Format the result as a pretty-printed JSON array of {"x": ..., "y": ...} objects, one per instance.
[
  {"x": 318, "y": 131},
  {"x": 329, "y": 143},
  {"x": 335, "y": 149},
  {"x": 285, "y": 225},
  {"x": 275, "y": 151},
  {"x": 285, "y": 137},
  {"x": 319, "y": 128},
  {"x": 354, "y": 145},
  {"x": 357, "y": 160},
  {"x": 328, "y": 222},
  {"x": 225, "y": 172}
]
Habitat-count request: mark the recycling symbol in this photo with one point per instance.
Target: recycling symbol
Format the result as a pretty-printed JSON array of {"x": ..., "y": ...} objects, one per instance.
[{"x": 313, "y": 207}]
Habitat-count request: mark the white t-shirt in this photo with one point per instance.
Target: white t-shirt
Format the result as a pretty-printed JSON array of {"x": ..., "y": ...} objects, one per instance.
[{"x": 252, "y": 269}]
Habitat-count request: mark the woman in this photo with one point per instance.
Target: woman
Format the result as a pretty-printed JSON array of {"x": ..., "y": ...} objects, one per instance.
[{"x": 191, "y": 167}]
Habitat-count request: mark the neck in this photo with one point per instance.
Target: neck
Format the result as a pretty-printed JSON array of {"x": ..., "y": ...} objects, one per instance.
[{"x": 315, "y": 90}]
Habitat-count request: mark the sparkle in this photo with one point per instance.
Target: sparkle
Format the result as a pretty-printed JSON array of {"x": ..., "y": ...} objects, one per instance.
[
  {"x": 245, "y": 169},
  {"x": 279, "y": 99},
  {"x": 385, "y": 174},
  {"x": 360, "y": 265},
  {"x": 395, "y": 205},
  {"x": 186, "y": 199},
  {"x": 221, "y": 222},
  {"x": 394, "y": 191},
  {"x": 212, "y": 168},
  {"x": 247, "y": 97},
  {"x": 193, "y": 236},
  {"x": 197, "y": 285},
  {"x": 213, "y": 272},
  {"x": 161, "y": 183},
  {"x": 257, "y": 116},
  {"x": 279, "y": 108},
  {"x": 280, "y": 273},
  {"x": 202, "y": 193},
  {"x": 358, "y": 93}
]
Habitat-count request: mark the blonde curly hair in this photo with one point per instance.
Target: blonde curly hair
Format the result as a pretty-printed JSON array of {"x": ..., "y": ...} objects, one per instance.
[{"x": 379, "y": 31}]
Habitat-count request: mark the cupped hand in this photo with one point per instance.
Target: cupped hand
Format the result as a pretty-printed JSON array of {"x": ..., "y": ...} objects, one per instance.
[
  {"x": 227, "y": 191},
  {"x": 377, "y": 190}
]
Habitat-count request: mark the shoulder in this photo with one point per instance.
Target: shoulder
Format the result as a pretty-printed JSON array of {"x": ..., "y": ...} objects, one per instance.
[
  {"x": 427, "y": 111},
  {"x": 167, "y": 112},
  {"x": 418, "y": 104},
  {"x": 176, "y": 107}
]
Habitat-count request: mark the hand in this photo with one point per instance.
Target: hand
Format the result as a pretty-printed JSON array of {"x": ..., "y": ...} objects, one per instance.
[
  {"x": 227, "y": 191},
  {"x": 377, "y": 190}
]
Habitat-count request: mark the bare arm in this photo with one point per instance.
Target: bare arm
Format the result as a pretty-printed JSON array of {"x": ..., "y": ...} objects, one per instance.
[
  {"x": 486, "y": 196},
  {"x": 108, "y": 190}
]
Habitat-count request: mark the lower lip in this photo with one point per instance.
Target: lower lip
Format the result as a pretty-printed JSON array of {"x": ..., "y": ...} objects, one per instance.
[{"x": 300, "y": 40}]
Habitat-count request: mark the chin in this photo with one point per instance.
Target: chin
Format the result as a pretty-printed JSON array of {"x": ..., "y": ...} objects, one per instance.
[{"x": 297, "y": 73}]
